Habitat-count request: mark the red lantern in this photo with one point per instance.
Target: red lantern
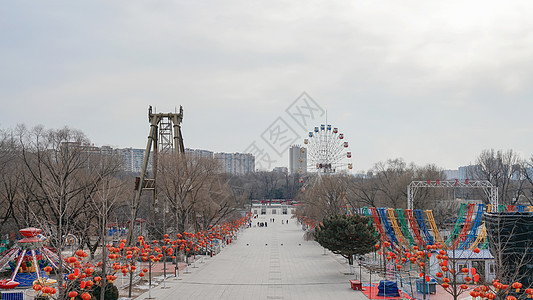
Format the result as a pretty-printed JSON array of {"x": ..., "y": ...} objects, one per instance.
[
  {"x": 517, "y": 286},
  {"x": 72, "y": 260},
  {"x": 464, "y": 286},
  {"x": 73, "y": 295},
  {"x": 47, "y": 269},
  {"x": 86, "y": 296}
]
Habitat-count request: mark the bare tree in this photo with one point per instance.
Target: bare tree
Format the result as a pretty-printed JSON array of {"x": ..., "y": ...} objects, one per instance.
[
  {"x": 62, "y": 171},
  {"x": 10, "y": 182},
  {"x": 392, "y": 178},
  {"x": 217, "y": 203},
  {"x": 181, "y": 183},
  {"x": 527, "y": 174},
  {"x": 503, "y": 170},
  {"x": 363, "y": 191},
  {"x": 326, "y": 197},
  {"x": 111, "y": 191}
]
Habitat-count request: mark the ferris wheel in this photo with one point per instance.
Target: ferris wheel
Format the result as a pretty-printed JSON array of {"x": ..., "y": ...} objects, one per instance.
[{"x": 328, "y": 151}]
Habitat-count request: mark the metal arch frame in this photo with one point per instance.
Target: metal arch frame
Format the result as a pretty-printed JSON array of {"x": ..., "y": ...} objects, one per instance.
[{"x": 490, "y": 190}]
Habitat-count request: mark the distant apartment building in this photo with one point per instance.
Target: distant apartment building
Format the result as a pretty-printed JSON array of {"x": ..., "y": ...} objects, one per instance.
[
  {"x": 464, "y": 172},
  {"x": 133, "y": 159},
  {"x": 198, "y": 153},
  {"x": 475, "y": 172},
  {"x": 282, "y": 170},
  {"x": 297, "y": 159},
  {"x": 236, "y": 163},
  {"x": 232, "y": 163}
]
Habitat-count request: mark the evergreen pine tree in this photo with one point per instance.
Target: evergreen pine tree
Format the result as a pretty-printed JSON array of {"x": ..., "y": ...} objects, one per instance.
[{"x": 346, "y": 235}]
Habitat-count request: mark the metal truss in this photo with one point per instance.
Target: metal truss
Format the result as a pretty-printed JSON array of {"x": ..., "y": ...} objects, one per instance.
[
  {"x": 490, "y": 190},
  {"x": 164, "y": 137}
]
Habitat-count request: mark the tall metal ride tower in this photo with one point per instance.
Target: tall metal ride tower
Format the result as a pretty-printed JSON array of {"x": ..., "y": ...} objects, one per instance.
[{"x": 164, "y": 137}]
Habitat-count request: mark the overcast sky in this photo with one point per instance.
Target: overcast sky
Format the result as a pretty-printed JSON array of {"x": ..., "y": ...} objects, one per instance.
[{"x": 428, "y": 81}]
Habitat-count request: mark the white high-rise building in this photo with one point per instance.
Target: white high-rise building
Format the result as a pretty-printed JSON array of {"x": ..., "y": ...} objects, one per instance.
[
  {"x": 297, "y": 159},
  {"x": 133, "y": 159}
]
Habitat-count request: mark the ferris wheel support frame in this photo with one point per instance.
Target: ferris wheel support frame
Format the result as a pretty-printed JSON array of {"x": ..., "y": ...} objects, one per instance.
[{"x": 490, "y": 190}]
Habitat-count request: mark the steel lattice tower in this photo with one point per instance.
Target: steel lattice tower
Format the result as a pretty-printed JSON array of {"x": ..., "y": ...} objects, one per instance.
[{"x": 164, "y": 137}]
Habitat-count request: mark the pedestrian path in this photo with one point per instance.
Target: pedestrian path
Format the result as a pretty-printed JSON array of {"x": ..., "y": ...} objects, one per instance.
[{"x": 272, "y": 262}]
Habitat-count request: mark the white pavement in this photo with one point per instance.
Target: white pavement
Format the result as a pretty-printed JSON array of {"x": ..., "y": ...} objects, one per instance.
[{"x": 271, "y": 262}]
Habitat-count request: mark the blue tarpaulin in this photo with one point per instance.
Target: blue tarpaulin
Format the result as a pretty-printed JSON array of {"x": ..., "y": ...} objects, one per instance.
[{"x": 388, "y": 289}]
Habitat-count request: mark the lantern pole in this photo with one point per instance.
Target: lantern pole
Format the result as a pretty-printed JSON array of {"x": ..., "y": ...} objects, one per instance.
[{"x": 149, "y": 280}]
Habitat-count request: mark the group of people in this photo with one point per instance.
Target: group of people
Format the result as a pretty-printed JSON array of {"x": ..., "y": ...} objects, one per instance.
[{"x": 265, "y": 224}]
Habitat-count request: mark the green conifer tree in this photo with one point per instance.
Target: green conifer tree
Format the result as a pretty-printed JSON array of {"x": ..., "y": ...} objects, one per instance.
[{"x": 346, "y": 235}]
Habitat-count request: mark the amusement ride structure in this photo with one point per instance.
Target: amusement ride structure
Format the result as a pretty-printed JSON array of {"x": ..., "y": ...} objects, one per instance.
[
  {"x": 28, "y": 259},
  {"x": 327, "y": 150},
  {"x": 165, "y": 137}
]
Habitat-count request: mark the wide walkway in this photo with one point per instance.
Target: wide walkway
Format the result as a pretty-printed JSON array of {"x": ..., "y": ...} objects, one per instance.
[{"x": 271, "y": 262}]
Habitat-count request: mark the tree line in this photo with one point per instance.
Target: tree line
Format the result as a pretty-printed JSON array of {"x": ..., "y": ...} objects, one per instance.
[
  {"x": 385, "y": 185},
  {"x": 52, "y": 178},
  {"x": 55, "y": 180}
]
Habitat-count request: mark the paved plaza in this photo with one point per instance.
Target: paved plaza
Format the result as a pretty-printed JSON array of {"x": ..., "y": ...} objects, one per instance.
[{"x": 271, "y": 262}]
